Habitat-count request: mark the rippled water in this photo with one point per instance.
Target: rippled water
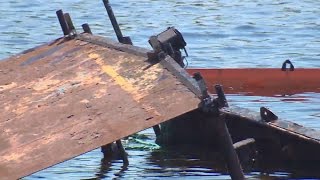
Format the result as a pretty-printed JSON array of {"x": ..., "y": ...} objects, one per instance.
[{"x": 239, "y": 33}]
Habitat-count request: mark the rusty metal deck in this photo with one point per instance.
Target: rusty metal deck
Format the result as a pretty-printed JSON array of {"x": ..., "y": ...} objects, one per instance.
[{"x": 66, "y": 98}]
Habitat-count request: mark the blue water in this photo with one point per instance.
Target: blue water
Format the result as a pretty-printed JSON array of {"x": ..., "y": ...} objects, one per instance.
[{"x": 239, "y": 33}]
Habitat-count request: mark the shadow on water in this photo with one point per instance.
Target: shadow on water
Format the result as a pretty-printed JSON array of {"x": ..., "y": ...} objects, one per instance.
[{"x": 203, "y": 163}]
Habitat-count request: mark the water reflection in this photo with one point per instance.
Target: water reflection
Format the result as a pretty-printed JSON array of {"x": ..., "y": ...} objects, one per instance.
[
  {"x": 105, "y": 167},
  {"x": 200, "y": 163}
]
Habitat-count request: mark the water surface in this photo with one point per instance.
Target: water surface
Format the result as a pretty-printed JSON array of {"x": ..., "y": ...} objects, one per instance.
[{"x": 239, "y": 33}]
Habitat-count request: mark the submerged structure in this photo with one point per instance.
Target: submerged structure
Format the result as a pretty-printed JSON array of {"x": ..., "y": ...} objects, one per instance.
[{"x": 81, "y": 92}]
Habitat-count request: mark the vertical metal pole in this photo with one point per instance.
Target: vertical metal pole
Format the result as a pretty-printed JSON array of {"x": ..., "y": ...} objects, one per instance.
[
  {"x": 224, "y": 137},
  {"x": 69, "y": 22},
  {"x": 113, "y": 20},
  {"x": 228, "y": 150},
  {"x": 62, "y": 21}
]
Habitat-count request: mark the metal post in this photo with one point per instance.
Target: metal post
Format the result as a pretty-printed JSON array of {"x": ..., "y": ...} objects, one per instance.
[
  {"x": 69, "y": 22},
  {"x": 115, "y": 25},
  {"x": 228, "y": 150},
  {"x": 62, "y": 21},
  {"x": 113, "y": 20},
  {"x": 224, "y": 137},
  {"x": 86, "y": 28},
  {"x": 221, "y": 97},
  {"x": 125, "y": 40}
]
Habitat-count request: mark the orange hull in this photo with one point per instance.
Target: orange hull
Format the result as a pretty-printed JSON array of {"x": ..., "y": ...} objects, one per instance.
[{"x": 265, "y": 82}]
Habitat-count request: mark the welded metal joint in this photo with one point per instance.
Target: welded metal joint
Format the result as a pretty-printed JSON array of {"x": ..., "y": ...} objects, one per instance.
[
  {"x": 208, "y": 104},
  {"x": 267, "y": 115}
]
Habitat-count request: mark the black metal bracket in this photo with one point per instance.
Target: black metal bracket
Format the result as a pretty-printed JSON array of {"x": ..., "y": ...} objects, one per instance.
[
  {"x": 221, "y": 99},
  {"x": 267, "y": 115},
  {"x": 168, "y": 42},
  {"x": 284, "y": 65},
  {"x": 208, "y": 103}
]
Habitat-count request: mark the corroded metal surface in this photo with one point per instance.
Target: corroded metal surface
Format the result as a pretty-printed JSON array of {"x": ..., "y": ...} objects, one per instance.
[
  {"x": 276, "y": 139},
  {"x": 287, "y": 127},
  {"x": 262, "y": 81},
  {"x": 69, "y": 97}
]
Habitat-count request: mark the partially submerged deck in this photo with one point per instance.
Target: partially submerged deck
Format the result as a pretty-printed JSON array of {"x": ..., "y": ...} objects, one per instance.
[{"x": 66, "y": 98}]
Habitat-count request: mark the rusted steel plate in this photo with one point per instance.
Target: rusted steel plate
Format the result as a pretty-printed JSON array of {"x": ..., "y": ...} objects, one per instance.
[
  {"x": 68, "y": 97},
  {"x": 167, "y": 62},
  {"x": 288, "y": 127},
  {"x": 265, "y": 82},
  {"x": 278, "y": 139}
]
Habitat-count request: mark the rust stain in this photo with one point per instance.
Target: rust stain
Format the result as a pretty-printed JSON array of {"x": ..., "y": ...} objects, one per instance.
[
  {"x": 52, "y": 86},
  {"x": 99, "y": 93},
  {"x": 121, "y": 81},
  {"x": 125, "y": 84},
  {"x": 135, "y": 86},
  {"x": 19, "y": 157},
  {"x": 7, "y": 86},
  {"x": 137, "y": 93},
  {"x": 50, "y": 103},
  {"x": 85, "y": 101},
  {"x": 45, "y": 84}
]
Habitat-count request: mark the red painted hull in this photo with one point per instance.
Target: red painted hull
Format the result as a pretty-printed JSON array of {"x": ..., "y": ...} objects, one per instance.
[{"x": 265, "y": 82}]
